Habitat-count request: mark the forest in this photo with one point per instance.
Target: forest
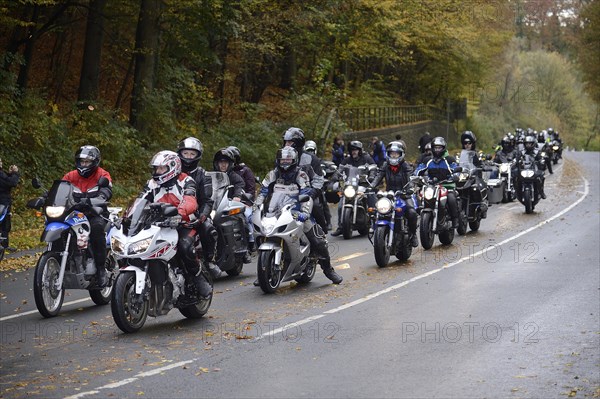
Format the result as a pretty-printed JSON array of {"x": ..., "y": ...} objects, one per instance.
[{"x": 135, "y": 77}]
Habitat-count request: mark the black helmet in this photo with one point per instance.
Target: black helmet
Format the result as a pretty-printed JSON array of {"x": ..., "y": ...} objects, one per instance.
[
  {"x": 87, "y": 153},
  {"x": 438, "y": 142},
  {"x": 224, "y": 154},
  {"x": 395, "y": 147},
  {"x": 507, "y": 144},
  {"x": 530, "y": 142},
  {"x": 237, "y": 155},
  {"x": 468, "y": 137},
  {"x": 190, "y": 143},
  {"x": 355, "y": 145},
  {"x": 295, "y": 135},
  {"x": 287, "y": 159}
]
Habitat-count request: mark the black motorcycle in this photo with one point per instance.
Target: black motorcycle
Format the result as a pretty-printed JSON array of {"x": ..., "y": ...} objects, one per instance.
[
  {"x": 526, "y": 182},
  {"x": 435, "y": 212},
  {"x": 356, "y": 188},
  {"x": 472, "y": 194},
  {"x": 231, "y": 225}
]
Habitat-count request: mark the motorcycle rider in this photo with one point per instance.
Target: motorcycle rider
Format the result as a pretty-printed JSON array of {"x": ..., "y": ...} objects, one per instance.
[
  {"x": 425, "y": 155},
  {"x": 311, "y": 147},
  {"x": 530, "y": 144},
  {"x": 223, "y": 161},
  {"x": 190, "y": 152},
  {"x": 172, "y": 186},
  {"x": 289, "y": 173},
  {"x": 85, "y": 177},
  {"x": 356, "y": 158},
  {"x": 250, "y": 188},
  {"x": 397, "y": 172},
  {"x": 294, "y": 137},
  {"x": 441, "y": 166},
  {"x": 378, "y": 152},
  {"x": 468, "y": 141}
]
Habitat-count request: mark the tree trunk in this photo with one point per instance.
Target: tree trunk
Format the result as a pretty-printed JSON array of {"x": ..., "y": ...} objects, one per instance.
[
  {"x": 92, "y": 53},
  {"x": 288, "y": 69},
  {"x": 146, "y": 60},
  {"x": 28, "y": 53}
]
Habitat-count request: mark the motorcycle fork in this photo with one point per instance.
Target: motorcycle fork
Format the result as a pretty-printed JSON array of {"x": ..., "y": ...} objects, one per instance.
[
  {"x": 435, "y": 208},
  {"x": 63, "y": 263}
]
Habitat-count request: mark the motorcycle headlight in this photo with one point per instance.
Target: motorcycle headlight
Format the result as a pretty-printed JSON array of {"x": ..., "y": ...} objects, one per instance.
[
  {"x": 54, "y": 211},
  {"x": 463, "y": 177},
  {"x": 383, "y": 205},
  {"x": 429, "y": 191},
  {"x": 350, "y": 191},
  {"x": 139, "y": 246},
  {"x": 555, "y": 148},
  {"x": 116, "y": 246},
  {"x": 527, "y": 173},
  {"x": 504, "y": 168},
  {"x": 543, "y": 154}
]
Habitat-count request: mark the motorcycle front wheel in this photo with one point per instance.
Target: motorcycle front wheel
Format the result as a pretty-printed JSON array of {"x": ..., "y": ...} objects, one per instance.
[
  {"x": 404, "y": 247},
  {"x": 426, "y": 233},
  {"x": 269, "y": 275},
  {"x": 380, "y": 246},
  {"x": 462, "y": 220},
  {"x": 129, "y": 314},
  {"x": 474, "y": 224},
  {"x": 347, "y": 223},
  {"x": 527, "y": 201},
  {"x": 48, "y": 299}
]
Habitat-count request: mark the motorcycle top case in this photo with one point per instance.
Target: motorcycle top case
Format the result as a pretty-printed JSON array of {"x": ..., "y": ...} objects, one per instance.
[{"x": 495, "y": 191}]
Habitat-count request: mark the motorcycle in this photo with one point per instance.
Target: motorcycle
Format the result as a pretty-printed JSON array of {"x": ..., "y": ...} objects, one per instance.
[
  {"x": 556, "y": 151},
  {"x": 546, "y": 153},
  {"x": 355, "y": 215},
  {"x": 472, "y": 194},
  {"x": 435, "y": 212},
  {"x": 331, "y": 187},
  {"x": 391, "y": 226},
  {"x": 284, "y": 250},
  {"x": 68, "y": 262},
  {"x": 231, "y": 225},
  {"x": 525, "y": 183},
  {"x": 151, "y": 280}
]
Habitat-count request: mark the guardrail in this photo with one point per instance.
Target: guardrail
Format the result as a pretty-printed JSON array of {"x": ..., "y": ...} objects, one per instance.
[{"x": 365, "y": 118}]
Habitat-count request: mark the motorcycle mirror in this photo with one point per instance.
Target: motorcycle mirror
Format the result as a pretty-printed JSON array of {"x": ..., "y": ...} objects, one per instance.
[
  {"x": 35, "y": 203},
  {"x": 103, "y": 182},
  {"x": 35, "y": 182},
  {"x": 304, "y": 198},
  {"x": 169, "y": 210},
  {"x": 488, "y": 156},
  {"x": 458, "y": 169}
]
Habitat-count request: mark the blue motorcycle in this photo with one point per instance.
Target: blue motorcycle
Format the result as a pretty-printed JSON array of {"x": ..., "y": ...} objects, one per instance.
[
  {"x": 67, "y": 262},
  {"x": 390, "y": 233}
]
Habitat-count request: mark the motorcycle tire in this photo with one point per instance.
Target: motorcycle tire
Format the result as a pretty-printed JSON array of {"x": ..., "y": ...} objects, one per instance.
[
  {"x": 527, "y": 201},
  {"x": 48, "y": 299},
  {"x": 426, "y": 233},
  {"x": 269, "y": 277},
  {"x": 347, "y": 223},
  {"x": 308, "y": 274},
  {"x": 447, "y": 236},
  {"x": 462, "y": 223},
  {"x": 1, "y": 253},
  {"x": 380, "y": 246},
  {"x": 127, "y": 319},
  {"x": 405, "y": 248},
  {"x": 474, "y": 224},
  {"x": 239, "y": 264}
]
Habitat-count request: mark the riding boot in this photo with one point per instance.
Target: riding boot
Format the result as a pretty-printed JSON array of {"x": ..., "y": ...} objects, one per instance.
[
  {"x": 101, "y": 280},
  {"x": 213, "y": 269},
  {"x": 414, "y": 241},
  {"x": 337, "y": 232},
  {"x": 330, "y": 272},
  {"x": 202, "y": 286}
]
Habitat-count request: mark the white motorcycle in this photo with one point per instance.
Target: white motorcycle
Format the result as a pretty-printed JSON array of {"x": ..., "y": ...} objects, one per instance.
[
  {"x": 284, "y": 251},
  {"x": 151, "y": 279}
]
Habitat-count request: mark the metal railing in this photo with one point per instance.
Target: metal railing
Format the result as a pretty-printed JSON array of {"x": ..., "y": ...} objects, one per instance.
[{"x": 366, "y": 118}]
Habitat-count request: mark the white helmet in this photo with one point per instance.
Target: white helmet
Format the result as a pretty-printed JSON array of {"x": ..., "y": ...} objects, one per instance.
[
  {"x": 310, "y": 146},
  {"x": 171, "y": 160}
]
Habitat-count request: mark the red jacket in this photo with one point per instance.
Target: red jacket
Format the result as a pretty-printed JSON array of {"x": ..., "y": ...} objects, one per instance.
[{"x": 86, "y": 183}]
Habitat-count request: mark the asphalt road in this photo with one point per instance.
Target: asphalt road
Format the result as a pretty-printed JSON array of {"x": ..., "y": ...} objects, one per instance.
[{"x": 509, "y": 311}]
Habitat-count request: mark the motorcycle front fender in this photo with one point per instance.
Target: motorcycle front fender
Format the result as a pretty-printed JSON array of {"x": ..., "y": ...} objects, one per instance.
[
  {"x": 271, "y": 246},
  {"x": 140, "y": 277},
  {"x": 53, "y": 231}
]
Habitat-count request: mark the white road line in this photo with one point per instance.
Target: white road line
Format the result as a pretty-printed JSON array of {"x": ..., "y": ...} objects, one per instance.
[
  {"x": 348, "y": 305},
  {"x": 351, "y": 256},
  {"x": 14, "y": 316}
]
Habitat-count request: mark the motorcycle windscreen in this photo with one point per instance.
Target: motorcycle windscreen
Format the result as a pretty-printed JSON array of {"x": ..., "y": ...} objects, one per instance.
[
  {"x": 220, "y": 183},
  {"x": 279, "y": 199},
  {"x": 60, "y": 194},
  {"x": 135, "y": 216},
  {"x": 466, "y": 159},
  {"x": 352, "y": 175}
]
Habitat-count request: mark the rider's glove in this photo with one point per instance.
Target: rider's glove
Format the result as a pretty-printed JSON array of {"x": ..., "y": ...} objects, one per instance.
[
  {"x": 302, "y": 216},
  {"x": 201, "y": 218}
]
